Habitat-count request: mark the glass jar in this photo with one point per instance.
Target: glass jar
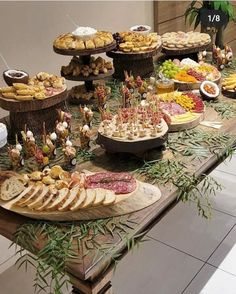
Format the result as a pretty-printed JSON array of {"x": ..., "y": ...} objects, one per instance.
[{"x": 164, "y": 86}]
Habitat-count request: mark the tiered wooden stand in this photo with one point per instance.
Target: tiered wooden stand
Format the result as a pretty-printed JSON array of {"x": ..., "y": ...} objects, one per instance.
[
  {"x": 33, "y": 113},
  {"x": 85, "y": 55},
  {"x": 140, "y": 63}
]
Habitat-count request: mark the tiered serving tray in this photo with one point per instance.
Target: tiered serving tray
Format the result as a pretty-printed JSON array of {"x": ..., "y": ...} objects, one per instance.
[
  {"x": 85, "y": 55},
  {"x": 34, "y": 112},
  {"x": 140, "y": 63}
]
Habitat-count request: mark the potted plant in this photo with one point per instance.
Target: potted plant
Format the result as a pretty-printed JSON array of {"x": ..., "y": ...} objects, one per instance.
[{"x": 193, "y": 16}]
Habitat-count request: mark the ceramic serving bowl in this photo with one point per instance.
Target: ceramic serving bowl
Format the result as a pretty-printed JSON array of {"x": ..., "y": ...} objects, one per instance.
[{"x": 141, "y": 29}]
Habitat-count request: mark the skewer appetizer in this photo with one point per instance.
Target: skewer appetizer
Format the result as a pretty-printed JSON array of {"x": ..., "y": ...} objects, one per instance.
[
  {"x": 15, "y": 155},
  {"x": 28, "y": 143}
]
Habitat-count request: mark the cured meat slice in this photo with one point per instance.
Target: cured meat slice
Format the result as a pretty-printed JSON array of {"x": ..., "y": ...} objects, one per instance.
[{"x": 120, "y": 183}]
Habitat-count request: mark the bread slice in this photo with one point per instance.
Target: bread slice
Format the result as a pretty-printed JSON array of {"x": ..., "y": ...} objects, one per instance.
[
  {"x": 29, "y": 199},
  {"x": 39, "y": 200},
  {"x": 11, "y": 188},
  {"x": 90, "y": 197},
  {"x": 110, "y": 197},
  {"x": 73, "y": 194},
  {"x": 79, "y": 202},
  {"x": 46, "y": 202},
  {"x": 100, "y": 196},
  {"x": 62, "y": 196},
  {"x": 23, "y": 194}
]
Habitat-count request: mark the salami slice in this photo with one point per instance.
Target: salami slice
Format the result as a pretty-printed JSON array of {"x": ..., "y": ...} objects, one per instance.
[{"x": 120, "y": 183}]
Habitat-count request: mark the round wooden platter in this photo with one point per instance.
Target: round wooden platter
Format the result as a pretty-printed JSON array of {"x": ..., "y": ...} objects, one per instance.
[
  {"x": 74, "y": 52},
  {"x": 89, "y": 78},
  {"x": 182, "y": 86},
  {"x": 183, "y": 51},
  {"x": 229, "y": 93},
  {"x": 13, "y": 105},
  {"x": 180, "y": 126},
  {"x": 144, "y": 196},
  {"x": 137, "y": 146},
  {"x": 134, "y": 55}
]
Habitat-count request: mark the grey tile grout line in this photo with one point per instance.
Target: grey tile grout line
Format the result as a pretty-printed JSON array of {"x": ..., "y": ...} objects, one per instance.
[
  {"x": 206, "y": 262},
  {"x": 197, "y": 258},
  {"x": 6, "y": 260},
  {"x": 221, "y": 269},
  {"x": 222, "y": 171}
]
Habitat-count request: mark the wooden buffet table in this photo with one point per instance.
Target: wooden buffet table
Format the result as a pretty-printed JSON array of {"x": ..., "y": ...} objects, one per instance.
[{"x": 89, "y": 276}]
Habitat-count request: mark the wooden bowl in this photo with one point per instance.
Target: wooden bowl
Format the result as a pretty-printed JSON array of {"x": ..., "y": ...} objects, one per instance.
[{"x": 10, "y": 80}]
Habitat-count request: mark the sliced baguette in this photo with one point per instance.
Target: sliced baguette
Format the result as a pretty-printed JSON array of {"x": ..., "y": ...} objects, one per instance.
[
  {"x": 100, "y": 196},
  {"x": 27, "y": 190},
  {"x": 27, "y": 200},
  {"x": 110, "y": 197},
  {"x": 39, "y": 200},
  {"x": 79, "y": 202},
  {"x": 11, "y": 188},
  {"x": 62, "y": 195},
  {"x": 90, "y": 197},
  {"x": 46, "y": 202},
  {"x": 74, "y": 192}
]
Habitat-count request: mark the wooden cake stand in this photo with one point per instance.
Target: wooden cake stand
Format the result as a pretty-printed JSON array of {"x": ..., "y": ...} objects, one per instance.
[
  {"x": 33, "y": 113},
  {"x": 85, "y": 55},
  {"x": 183, "y": 51},
  {"x": 140, "y": 63}
]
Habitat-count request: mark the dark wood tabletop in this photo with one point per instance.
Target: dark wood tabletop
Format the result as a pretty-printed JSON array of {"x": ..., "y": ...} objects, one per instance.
[{"x": 90, "y": 269}]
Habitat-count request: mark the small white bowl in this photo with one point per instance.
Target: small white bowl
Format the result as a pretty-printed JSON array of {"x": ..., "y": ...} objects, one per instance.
[
  {"x": 146, "y": 32},
  {"x": 84, "y": 33},
  {"x": 3, "y": 135}
]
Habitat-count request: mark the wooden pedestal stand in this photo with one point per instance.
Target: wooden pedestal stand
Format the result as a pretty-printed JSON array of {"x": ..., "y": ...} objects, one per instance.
[
  {"x": 33, "y": 113},
  {"x": 139, "y": 64},
  {"x": 85, "y": 55}
]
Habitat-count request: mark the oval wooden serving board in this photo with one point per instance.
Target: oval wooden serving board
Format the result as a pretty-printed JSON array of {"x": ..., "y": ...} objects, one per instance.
[
  {"x": 180, "y": 126},
  {"x": 144, "y": 196},
  {"x": 183, "y": 51},
  {"x": 34, "y": 104}
]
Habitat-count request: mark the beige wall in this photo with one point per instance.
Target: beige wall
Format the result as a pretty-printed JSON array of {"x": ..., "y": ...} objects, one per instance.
[{"x": 27, "y": 29}]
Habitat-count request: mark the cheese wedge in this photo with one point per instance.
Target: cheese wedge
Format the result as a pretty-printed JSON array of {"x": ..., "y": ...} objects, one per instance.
[
  {"x": 73, "y": 194},
  {"x": 39, "y": 200},
  {"x": 100, "y": 196},
  {"x": 63, "y": 194},
  {"x": 110, "y": 197},
  {"x": 80, "y": 200}
]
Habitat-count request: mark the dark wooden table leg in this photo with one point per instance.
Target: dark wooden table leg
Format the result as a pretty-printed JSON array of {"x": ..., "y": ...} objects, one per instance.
[{"x": 101, "y": 285}]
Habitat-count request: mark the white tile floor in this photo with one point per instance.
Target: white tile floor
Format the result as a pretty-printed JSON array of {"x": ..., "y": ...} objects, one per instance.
[{"x": 186, "y": 254}]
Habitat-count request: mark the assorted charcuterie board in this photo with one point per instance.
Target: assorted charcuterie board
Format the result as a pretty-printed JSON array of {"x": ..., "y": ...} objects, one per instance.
[{"x": 55, "y": 194}]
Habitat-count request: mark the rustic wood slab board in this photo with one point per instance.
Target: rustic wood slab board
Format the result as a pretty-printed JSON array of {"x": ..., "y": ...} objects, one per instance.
[
  {"x": 74, "y": 52},
  {"x": 13, "y": 105},
  {"x": 183, "y": 51},
  {"x": 144, "y": 196}
]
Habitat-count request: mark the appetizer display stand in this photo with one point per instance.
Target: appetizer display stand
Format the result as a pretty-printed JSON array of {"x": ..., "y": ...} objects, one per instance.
[
  {"x": 183, "y": 51},
  {"x": 85, "y": 55},
  {"x": 88, "y": 274},
  {"x": 34, "y": 112},
  {"x": 140, "y": 63}
]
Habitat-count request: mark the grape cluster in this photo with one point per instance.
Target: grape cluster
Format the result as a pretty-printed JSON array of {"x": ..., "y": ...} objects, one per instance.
[
  {"x": 169, "y": 69},
  {"x": 197, "y": 75},
  {"x": 117, "y": 37}
]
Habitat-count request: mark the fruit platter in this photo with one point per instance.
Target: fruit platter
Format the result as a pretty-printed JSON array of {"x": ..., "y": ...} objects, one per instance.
[
  {"x": 55, "y": 194},
  {"x": 181, "y": 110},
  {"x": 188, "y": 74},
  {"x": 178, "y": 43},
  {"x": 229, "y": 86},
  {"x": 133, "y": 130}
]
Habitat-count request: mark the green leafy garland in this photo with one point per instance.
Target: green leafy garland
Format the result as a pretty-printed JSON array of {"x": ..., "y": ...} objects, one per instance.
[{"x": 224, "y": 109}]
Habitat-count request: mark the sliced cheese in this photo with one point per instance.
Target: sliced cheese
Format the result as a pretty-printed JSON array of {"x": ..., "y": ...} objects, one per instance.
[
  {"x": 73, "y": 194},
  {"x": 79, "y": 202}
]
